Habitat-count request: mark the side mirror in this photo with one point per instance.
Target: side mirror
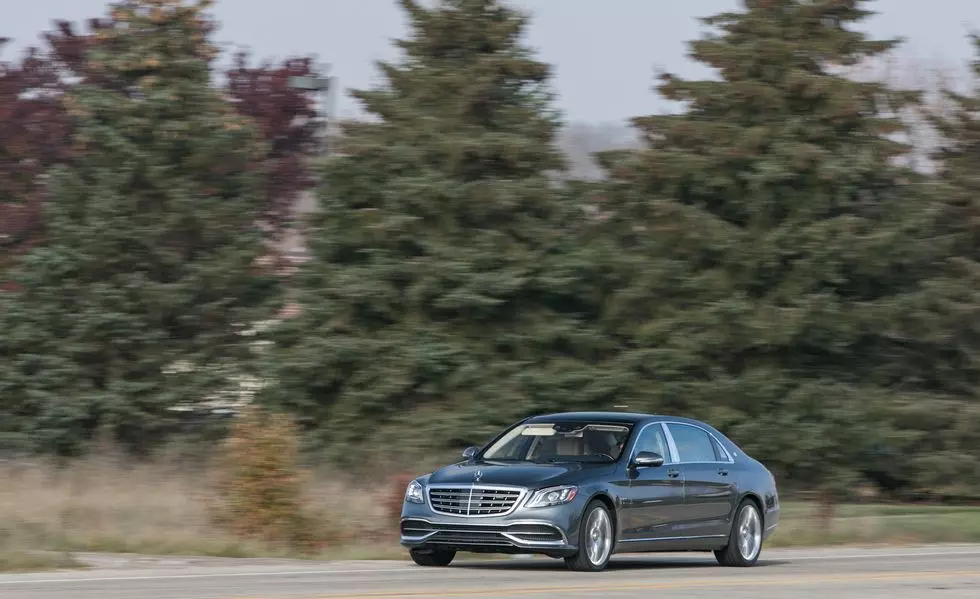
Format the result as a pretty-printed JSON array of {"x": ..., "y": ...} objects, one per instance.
[
  {"x": 647, "y": 459},
  {"x": 469, "y": 452}
]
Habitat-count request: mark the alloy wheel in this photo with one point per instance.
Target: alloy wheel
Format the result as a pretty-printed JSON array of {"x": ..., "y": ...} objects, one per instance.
[
  {"x": 749, "y": 533},
  {"x": 599, "y": 536}
]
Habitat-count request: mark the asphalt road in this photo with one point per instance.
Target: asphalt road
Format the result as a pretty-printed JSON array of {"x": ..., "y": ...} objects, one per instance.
[{"x": 949, "y": 572}]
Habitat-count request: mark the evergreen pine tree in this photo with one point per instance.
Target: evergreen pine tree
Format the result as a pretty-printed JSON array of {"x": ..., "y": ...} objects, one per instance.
[
  {"x": 772, "y": 243},
  {"x": 437, "y": 286},
  {"x": 136, "y": 301},
  {"x": 942, "y": 432}
]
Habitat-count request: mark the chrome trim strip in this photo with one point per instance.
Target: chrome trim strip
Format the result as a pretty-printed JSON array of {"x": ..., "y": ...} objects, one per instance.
[
  {"x": 518, "y": 501},
  {"x": 418, "y": 539},
  {"x": 531, "y": 522},
  {"x": 525, "y": 543},
  {"x": 694, "y": 538}
]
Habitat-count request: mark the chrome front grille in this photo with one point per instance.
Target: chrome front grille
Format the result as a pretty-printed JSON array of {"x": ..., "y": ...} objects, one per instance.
[{"x": 473, "y": 500}]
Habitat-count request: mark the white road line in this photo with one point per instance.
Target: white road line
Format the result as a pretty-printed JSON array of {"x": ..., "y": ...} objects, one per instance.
[
  {"x": 879, "y": 555},
  {"x": 269, "y": 573},
  {"x": 272, "y": 574}
]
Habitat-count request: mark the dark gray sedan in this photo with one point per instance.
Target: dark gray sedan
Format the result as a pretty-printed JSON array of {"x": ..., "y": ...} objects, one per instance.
[{"x": 583, "y": 486}]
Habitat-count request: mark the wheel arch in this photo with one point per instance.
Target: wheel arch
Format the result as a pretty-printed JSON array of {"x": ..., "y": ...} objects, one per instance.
[
  {"x": 607, "y": 500},
  {"x": 754, "y": 498}
]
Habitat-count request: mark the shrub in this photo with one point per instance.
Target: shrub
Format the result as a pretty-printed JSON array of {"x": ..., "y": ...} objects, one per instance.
[{"x": 260, "y": 486}]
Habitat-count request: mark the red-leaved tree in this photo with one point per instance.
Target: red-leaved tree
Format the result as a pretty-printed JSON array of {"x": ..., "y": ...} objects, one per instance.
[
  {"x": 286, "y": 117},
  {"x": 33, "y": 136},
  {"x": 36, "y": 131}
]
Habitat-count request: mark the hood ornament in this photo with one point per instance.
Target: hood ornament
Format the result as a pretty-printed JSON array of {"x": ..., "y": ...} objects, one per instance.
[{"x": 477, "y": 476}]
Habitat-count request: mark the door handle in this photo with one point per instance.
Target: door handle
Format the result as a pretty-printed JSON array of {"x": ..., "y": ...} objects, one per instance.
[
  {"x": 723, "y": 471},
  {"x": 673, "y": 473}
]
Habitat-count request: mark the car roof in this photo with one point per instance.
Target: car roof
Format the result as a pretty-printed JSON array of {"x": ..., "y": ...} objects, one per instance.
[{"x": 617, "y": 417}]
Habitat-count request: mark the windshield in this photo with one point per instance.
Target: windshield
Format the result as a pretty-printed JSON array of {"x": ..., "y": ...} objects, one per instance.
[{"x": 560, "y": 442}]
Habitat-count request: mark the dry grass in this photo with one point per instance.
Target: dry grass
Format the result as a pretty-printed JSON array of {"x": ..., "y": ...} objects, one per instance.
[
  {"x": 878, "y": 524},
  {"x": 33, "y": 561},
  {"x": 162, "y": 508}
]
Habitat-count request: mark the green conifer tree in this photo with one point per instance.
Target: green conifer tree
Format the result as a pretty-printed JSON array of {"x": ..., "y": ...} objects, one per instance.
[
  {"x": 148, "y": 274},
  {"x": 772, "y": 243},
  {"x": 941, "y": 440},
  {"x": 437, "y": 285}
]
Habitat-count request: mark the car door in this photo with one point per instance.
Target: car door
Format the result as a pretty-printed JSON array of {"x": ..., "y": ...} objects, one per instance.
[
  {"x": 654, "y": 496},
  {"x": 710, "y": 491}
]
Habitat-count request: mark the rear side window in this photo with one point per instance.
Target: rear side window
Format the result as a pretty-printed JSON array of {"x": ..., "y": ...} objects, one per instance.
[
  {"x": 693, "y": 444},
  {"x": 720, "y": 453}
]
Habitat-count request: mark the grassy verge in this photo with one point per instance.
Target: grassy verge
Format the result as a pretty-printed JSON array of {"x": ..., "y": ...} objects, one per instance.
[
  {"x": 161, "y": 509},
  {"x": 878, "y": 524},
  {"x": 32, "y": 561}
]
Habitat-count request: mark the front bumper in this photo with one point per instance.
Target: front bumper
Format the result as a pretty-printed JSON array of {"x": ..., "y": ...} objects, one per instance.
[
  {"x": 549, "y": 530},
  {"x": 531, "y": 536}
]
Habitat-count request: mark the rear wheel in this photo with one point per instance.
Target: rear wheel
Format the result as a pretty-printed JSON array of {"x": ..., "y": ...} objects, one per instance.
[
  {"x": 433, "y": 558},
  {"x": 595, "y": 540},
  {"x": 745, "y": 538}
]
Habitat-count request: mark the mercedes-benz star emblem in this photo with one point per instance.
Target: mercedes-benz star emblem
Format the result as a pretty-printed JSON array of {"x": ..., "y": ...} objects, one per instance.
[{"x": 477, "y": 476}]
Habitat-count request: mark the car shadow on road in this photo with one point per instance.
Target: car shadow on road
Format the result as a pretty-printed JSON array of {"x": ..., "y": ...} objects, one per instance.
[{"x": 622, "y": 563}]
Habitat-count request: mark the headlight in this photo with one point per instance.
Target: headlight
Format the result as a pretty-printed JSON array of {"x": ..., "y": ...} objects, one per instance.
[
  {"x": 414, "y": 493},
  {"x": 553, "y": 496}
]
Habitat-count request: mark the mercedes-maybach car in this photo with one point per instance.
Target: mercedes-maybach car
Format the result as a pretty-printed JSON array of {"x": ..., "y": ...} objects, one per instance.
[{"x": 584, "y": 486}]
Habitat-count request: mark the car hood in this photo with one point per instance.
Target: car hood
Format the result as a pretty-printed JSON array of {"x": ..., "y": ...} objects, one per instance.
[{"x": 520, "y": 474}]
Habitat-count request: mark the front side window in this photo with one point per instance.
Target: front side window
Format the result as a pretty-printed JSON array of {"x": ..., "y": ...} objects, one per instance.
[
  {"x": 652, "y": 439},
  {"x": 560, "y": 442},
  {"x": 693, "y": 444}
]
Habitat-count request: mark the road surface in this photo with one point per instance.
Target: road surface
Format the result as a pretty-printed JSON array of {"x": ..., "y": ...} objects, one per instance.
[{"x": 948, "y": 572}]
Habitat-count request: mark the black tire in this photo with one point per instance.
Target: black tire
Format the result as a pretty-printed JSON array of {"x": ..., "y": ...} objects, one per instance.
[
  {"x": 732, "y": 555},
  {"x": 432, "y": 559},
  {"x": 581, "y": 562}
]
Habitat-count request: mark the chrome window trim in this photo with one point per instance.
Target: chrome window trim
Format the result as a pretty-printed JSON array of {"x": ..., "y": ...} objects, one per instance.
[
  {"x": 674, "y": 452},
  {"x": 522, "y": 496},
  {"x": 666, "y": 426}
]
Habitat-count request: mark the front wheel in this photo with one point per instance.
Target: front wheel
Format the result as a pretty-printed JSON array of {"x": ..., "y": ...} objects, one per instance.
[
  {"x": 434, "y": 558},
  {"x": 595, "y": 540},
  {"x": 745, "y": 539}
]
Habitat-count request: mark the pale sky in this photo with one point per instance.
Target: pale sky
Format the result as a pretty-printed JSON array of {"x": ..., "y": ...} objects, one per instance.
[{"x": 605, "y": 51}]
